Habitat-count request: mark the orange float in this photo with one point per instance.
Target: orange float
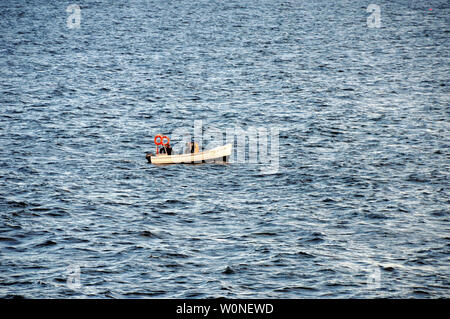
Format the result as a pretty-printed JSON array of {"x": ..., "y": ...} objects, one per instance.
[{"x": 160, "y": 139}]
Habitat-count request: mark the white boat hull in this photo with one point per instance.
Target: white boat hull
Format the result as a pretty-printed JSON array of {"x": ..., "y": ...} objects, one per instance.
[{"x": 216, "y": 154}]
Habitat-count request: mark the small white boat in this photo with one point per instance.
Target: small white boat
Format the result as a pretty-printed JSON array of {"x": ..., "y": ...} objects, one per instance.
[{"x": 214, "y": 155}]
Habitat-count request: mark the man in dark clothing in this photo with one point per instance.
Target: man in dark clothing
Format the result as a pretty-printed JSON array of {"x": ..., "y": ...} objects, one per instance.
[
  {"x": 166, "y": 149},
  {"x": 192, "y": 147}
]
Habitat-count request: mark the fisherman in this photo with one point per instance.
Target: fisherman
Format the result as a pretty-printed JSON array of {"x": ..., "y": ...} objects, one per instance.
[
  {"x": 192, "y": 147},
  {"x": 166, "y": 149}
]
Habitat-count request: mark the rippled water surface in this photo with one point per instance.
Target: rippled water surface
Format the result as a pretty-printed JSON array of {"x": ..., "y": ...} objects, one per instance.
[{"x": 359, "y": 207}]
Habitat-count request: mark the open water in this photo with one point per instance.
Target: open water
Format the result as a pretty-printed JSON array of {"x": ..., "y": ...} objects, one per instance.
[{"x": 359, "y": 204}]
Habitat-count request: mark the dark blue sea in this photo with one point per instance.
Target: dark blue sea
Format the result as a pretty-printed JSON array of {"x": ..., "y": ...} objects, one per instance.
[{"x": 358, "y": 206}]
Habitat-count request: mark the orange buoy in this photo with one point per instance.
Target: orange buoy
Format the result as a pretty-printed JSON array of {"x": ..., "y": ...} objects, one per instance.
[{"x": 160, "y": 140}]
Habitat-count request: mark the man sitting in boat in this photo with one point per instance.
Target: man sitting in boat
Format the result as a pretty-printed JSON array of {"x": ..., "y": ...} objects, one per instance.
[
  {"x": 192, "y": 147},
  {"x": 166, "y": 149}
]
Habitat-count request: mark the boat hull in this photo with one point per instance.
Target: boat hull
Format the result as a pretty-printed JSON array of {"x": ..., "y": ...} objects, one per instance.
[{"x": 214, "y": 155}]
